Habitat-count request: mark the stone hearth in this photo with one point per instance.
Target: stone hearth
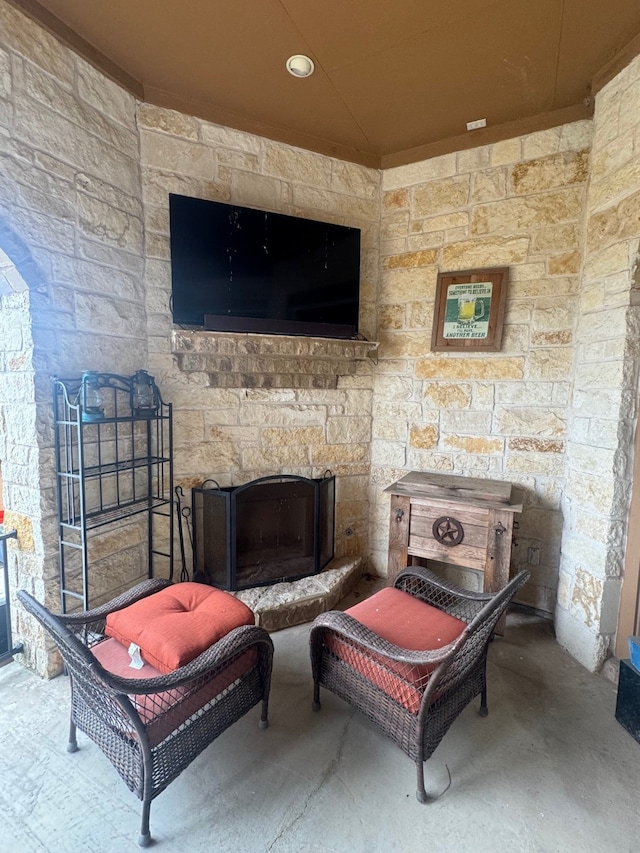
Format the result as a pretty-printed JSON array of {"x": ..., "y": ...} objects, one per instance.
[{"x": 282, "y": 605}]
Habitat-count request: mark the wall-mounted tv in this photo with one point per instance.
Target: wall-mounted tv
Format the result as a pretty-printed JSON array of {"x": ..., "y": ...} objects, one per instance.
[{"x": 239, "y": 269}]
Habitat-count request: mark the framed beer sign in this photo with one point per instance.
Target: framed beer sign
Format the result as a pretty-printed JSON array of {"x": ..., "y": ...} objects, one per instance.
[{"x": 469, "y": 310}]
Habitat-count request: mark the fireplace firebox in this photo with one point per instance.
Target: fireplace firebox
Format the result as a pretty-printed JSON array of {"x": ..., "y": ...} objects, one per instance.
[{"x": 278, "y": 528}]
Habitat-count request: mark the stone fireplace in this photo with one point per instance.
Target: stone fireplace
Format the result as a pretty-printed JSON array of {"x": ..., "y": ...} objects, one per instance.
[{"x": 274, "y": 529}]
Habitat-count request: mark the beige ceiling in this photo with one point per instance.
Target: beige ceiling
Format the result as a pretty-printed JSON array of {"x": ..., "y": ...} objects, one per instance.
[{"x": 395, "y": 80}]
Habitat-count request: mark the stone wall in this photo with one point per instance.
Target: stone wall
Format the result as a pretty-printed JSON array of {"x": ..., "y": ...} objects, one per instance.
[
  {"x": 501, "y": 415},
  {"x": 248, "y": 406},
  {"x": 604, "y": 409},
  {"x": 71, "y": 223},
  {"x": 85, "y": 177}
]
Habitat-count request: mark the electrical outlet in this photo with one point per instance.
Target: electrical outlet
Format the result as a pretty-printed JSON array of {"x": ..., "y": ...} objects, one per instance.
[
  {"x": 474, "y": 125},
  {"x": 533, "y": 556}
]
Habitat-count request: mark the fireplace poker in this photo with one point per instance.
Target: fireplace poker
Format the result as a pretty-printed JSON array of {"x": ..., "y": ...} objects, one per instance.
[{"x": 184, "y": 574}]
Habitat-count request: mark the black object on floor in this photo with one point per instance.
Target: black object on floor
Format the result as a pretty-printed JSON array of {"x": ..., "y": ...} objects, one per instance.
[{"x": 628, "y": 704}]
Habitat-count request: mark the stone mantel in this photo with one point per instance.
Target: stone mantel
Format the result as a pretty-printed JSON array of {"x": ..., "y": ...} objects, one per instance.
[{"x": 243, "y": 360}]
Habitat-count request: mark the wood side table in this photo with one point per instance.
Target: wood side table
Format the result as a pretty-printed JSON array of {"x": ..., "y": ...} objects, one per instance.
[{"x": 462, "y": 521}]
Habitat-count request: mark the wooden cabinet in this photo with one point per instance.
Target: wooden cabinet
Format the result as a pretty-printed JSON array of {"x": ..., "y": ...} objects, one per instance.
[{"x": 461, "y": 521}]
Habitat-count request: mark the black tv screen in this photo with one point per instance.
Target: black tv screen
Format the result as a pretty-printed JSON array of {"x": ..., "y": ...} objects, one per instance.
[{"x": 245, "y": 270}]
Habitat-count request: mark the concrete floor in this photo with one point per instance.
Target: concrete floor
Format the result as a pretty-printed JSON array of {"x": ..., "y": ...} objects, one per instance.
[{"x": 549, "y": 769}]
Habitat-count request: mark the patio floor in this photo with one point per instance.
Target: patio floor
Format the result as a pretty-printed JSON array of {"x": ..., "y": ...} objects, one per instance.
[{"x": 550, "y": 769}]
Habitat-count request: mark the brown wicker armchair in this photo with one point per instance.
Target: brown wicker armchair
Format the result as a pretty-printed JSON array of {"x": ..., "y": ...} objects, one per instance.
[
  {"x": 152, "y": 728},
  {"x": 410, "y": 657}
]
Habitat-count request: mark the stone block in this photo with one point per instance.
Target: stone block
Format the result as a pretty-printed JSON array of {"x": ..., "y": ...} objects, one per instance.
[
  {"x": 394, "y": 225},
  {"x": 408, "y": 284},
  {"x": 419, "y": 315},
  {"x": 23, "y": 525},
  {"x": 353, "y": 179},
  {"x": 442, "y": 368},
  {"x": 528, "y": 212},
  {"x": 393, "y": 388},
  {"x": 447, "y": 195},
  {"x": 105, "y": 95},
  {"x": 471, "y": 444},
  {"x": 416, "y": 173},
  {"x": 395, "y": 199},
  {"x": 389, "y": 454},
  {"x": 536, "y": 445},
  {"x": 568, "y": 263},
  {"x": 391, "y": 317},
  {"x": 174, "y": 123},
  {"x": 529, "y": 421},
  {"x": 349, "y": 430},
  {"x": 488, "y": 252},
  {"x": 550, "y": 364},
  {"x": 608, "y": 259},
  {"x": 422, "y": 460},
  {"x": 288, "y": 436},
  {"x": 310, "y": 198},
  {"x": 506, "y": 151},
  {"x": 293, "y": 164},
  {"x": 557, "y": 170},
  {"x": 423, "y": 437},
  {"x": 466, "y": 422},
  {"x": 595, "y": 494},
  {"x": 576, "y": 136},
  {"x": 175, "y": 154},
  {"x": 419, "y": 242},
  {"x": 541, "y": 144},
  {"x": 448, "y": 395},
  {"x": 489, "y": 185},
  {"x": 33, "y": 41},
  {"x": 613, "y": 186},
  {"x": 473, "y": 159},
  {"x": 555, "y": 237},
  {"x": 328, "y": 454},
  {"x": 615, "y": 224}
]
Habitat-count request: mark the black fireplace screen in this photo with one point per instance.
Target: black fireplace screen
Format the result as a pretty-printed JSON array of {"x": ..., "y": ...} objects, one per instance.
[{"x": 273, "y": 529}]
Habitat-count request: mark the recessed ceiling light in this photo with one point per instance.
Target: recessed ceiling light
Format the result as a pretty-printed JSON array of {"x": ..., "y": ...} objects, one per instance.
[{"x": 300, "y": 65}]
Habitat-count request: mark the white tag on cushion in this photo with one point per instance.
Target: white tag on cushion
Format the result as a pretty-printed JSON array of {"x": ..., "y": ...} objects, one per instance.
[{"x": 136, "y": 658}]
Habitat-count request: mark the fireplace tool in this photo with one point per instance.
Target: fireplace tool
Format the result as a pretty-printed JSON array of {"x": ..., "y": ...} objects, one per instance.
[
  {"x": 199, "y": 576},
  {"x": 183, "y": 512}
]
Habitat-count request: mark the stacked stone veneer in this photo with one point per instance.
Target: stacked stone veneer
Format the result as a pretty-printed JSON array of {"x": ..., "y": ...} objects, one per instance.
[
  {"x": 605, "y": 383},
  {"x": 71, "y": 224},
  {"x": 502, "y": 415},
  {"x": 85, "y": 177},
  {"x": 248, "y": 406}
]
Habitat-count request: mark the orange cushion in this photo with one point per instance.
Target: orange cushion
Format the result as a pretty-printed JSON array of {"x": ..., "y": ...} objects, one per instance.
[
  {"x": 173, "y": 626},
  {"x": 162, "y": 713},
  {"x": 406, "y": 622}
]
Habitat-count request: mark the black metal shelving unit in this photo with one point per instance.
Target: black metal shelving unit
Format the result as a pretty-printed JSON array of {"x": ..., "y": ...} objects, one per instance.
[{"x": 114, "y": 460}]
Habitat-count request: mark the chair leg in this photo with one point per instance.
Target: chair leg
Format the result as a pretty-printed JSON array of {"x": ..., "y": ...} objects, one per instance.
[
  {"x": 264, "y": 716},
  {"x": 144, "y": 838},
  {"x": 421, "y": 794},
  {"x": 484, "y": 710},
  {"x": 72, "y": 746},
  {"x": 316, "y": 696}
]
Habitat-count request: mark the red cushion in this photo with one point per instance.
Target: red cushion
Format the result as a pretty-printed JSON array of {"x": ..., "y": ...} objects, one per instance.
[
  {"x": 406, "y": 622},
  {"x": 173, "y": 626},
  {"x": 162, "y": 713}
]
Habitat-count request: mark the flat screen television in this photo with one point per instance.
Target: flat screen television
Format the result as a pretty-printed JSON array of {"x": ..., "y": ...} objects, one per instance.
[{"x": 239, "y": 269}]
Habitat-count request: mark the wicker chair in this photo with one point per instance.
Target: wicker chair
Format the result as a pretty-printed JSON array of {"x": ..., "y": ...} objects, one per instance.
[
  {"x": 151, "y": 729},
  {"x": 413, "y": 695}
]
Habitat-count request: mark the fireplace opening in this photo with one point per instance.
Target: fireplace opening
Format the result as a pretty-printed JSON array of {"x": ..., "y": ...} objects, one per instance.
[{"x": 274, "y": 529}]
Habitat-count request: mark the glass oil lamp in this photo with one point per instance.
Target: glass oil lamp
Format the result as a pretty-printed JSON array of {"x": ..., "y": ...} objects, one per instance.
[{"x": 144, "y": 395}]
